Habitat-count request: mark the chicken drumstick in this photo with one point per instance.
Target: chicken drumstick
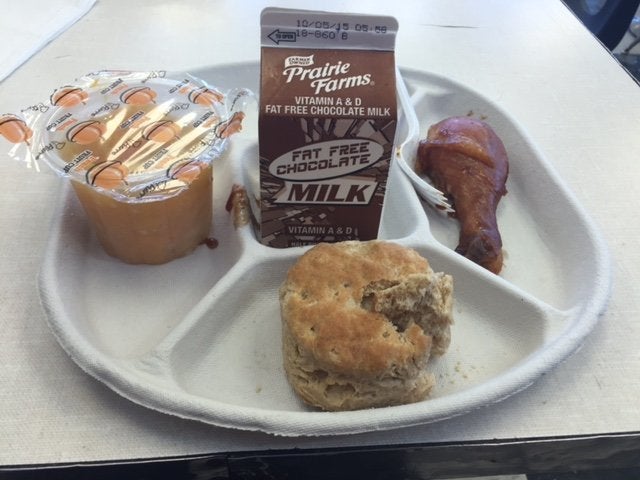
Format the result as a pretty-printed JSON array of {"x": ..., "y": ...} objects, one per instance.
[{"x": 467, "y": 161}]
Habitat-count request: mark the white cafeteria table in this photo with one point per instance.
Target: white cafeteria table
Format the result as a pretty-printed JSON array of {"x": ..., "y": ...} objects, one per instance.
[{"x": 535, "y": 61}]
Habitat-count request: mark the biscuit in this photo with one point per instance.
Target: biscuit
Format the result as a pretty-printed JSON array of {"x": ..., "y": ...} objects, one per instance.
[{"x": 359, "y": 323}]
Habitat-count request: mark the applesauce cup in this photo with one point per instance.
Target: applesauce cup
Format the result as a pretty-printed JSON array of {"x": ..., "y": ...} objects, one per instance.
[{"x": 138, "y": 151}]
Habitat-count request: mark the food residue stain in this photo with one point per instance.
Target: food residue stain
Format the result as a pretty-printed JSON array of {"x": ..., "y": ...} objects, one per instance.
[{"x": 211, "y": 242}]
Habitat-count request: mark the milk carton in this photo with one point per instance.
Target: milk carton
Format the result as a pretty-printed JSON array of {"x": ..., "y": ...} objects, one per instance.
[{"x": 327, "y": 123}]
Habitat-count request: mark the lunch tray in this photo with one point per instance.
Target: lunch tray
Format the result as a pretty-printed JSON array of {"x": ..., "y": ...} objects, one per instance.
[{"x": 200, "y": 337}]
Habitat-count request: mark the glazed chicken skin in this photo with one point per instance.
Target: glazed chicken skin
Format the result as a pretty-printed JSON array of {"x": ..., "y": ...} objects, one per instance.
[{"x": 467, "y": 161}]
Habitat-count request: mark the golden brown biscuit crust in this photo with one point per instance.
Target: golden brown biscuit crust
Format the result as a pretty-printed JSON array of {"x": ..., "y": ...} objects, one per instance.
[
  {"x": 362, "y": 318},
  {"x": 323, "y": 295}
]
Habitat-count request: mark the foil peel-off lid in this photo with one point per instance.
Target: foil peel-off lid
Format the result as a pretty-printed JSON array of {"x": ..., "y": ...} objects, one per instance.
[{"x": 134, "y": 135}]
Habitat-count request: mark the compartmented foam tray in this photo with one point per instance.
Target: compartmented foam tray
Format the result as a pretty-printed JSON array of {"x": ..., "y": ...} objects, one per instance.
[{"x": 200, "y": 337}]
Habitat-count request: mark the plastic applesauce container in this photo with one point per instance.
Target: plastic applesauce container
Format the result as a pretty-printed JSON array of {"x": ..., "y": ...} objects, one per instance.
[{"x": 138, "y": 149}]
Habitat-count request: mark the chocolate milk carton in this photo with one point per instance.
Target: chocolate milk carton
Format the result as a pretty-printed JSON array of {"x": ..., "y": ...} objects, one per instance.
[{"x": 327, "y": 123}]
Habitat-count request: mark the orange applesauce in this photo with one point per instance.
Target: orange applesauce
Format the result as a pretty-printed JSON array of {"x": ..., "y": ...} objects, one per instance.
[
  {"x": 151, "y": 232},
  {"x": 138, "y": 150}
]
